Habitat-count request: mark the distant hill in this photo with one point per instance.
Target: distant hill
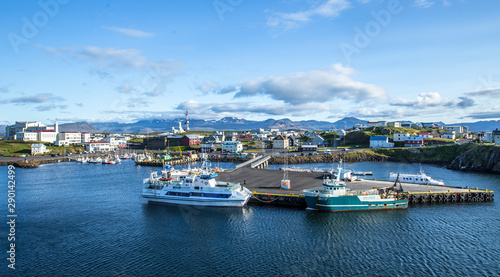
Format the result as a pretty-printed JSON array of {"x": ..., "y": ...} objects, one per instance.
[
  {"x": 348, "y": 122},
  {"x": 489, "y": 125},
  {"x": 226, "y": 123},
  {"x": 78, "y": 127}
]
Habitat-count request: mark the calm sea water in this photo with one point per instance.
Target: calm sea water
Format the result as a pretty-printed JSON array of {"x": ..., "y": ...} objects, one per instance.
[{"x": 89, "y": 220}]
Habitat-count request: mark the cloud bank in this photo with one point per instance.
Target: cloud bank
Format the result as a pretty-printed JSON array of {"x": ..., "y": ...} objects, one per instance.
[{"x": 316, "y": 86}]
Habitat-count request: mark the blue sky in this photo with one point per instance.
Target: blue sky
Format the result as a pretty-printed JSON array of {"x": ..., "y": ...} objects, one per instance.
[{"x": 124, "y": 61}]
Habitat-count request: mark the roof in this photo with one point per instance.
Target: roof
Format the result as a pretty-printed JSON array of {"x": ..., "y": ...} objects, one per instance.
[
  {"x": 378, "y": 138},
  {"x": 192, "y": 136}
]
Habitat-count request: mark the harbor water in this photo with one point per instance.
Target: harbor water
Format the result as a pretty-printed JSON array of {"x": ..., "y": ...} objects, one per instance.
[{"x": 90, "y": 220}]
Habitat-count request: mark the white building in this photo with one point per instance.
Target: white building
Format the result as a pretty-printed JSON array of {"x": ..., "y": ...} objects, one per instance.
[
  {"x": 98, "y": 146},
  {"x": 46, "y": 136},
  {"x": 488, "y": 136},
  {"x": 26, "y": 136},
  {"x": 12, "y": 131},
  {"x": 400, "y": 136},
  {"x": 449, "y": 135},
  {"x": 119, "y": 142},
  {"x": 85, "y": 137},
  {"x": 460, "y": 131},
  {"x": 208, "y": 147},
  {"x": 280, "y": 142},
  {"x": 394, "y": 124},
  {"x": 380, "y": 142},
  {"x": 496, "y": 137},
  {"x": 67, "y": 138},
  {"x": 232, "y": 146},
  {"x": 38, "y": 148}
]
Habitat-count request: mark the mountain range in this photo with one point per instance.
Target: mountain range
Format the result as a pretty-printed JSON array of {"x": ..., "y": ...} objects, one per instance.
[
  {"x": 226, "y": 123},
  {"x": 232, "y": 123}
]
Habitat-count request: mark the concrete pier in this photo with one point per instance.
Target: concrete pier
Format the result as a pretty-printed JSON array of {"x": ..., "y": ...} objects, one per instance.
[{"x": 266, "y": 187}]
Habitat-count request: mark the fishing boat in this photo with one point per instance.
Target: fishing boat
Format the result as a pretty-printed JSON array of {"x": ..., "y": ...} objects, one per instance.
[
  {"x": 420, "y": 178},
  {"x": 195, "y": 189},
  {"x": 334, "y": 197}
]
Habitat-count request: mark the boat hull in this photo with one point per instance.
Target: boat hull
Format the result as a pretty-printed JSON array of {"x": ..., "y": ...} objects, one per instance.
[
  {"x": 197, "y": 201},
  {"x": 353, "y": 203}
]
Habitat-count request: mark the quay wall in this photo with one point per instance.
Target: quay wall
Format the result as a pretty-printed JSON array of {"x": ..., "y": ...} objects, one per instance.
[{"x": 291, "y": 200}]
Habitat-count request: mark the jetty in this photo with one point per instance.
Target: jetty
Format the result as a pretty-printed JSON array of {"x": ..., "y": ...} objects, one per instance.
[{"x": 265, "y": 185}]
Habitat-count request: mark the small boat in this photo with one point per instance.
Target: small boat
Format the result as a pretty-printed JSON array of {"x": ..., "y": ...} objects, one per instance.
[
  {"x": 195, "y": 189},
  {"x": 334, "y": 197},
  {"x": 97, "y": 160},
  {"x": 420, "y": 178}
]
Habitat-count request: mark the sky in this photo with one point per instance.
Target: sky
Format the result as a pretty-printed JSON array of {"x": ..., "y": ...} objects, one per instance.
[{"x": 124, "y": 61}]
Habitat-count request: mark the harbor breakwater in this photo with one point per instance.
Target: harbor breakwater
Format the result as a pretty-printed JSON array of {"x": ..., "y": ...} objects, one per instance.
[{"x": 470, "y": 157}]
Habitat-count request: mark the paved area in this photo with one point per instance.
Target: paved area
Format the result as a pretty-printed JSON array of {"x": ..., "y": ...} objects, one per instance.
[{"x": 269, "y": 181}]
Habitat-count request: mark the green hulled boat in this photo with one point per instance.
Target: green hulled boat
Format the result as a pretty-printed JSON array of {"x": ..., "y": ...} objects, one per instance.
[{"x": 334, "y": 197}]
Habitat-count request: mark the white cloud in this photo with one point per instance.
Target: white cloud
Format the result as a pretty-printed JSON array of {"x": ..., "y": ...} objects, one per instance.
[
  {"x": 286, "y": 21},
  {"x": 316, "y": 86},
  {"x": 433, "y": 99},
  {"x": 429, "y": 3},
  {"x": 129, "y": 32},
  {"x": 239, "y": 109},
  {"x": 488, "y": 92},
  {"x": 423, "y": 3},
  {"x": 125, "y": 88}
]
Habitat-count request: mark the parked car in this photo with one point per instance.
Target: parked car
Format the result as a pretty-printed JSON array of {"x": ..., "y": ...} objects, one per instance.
[
  {"x": 16, "y": 155},
  {"x": 23, "y": 156}
]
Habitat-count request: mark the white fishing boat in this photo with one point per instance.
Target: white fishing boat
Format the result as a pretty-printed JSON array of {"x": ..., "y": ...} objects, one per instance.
[
  {"x": 420, "y": 178},
  {"x": 199, "y": 190}
]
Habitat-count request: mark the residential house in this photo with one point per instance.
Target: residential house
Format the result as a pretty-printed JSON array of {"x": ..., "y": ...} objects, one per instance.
[
  {"x": 280, "y": 142},
  {"x": 263, "y": 144},
  {"x": 496, "y": 137},
  {"x": 232, "y": 146},
  {"x": 488, "y": 136},
  {"x": 400, "y": 136},
  {"x": 38, "y": 148},
  {"x": 245, "y": 137},
  {"x": 292, "y": 141},
  {"x": 425, "y": 135},
  {"x": 230, "y": 138},
  {"x": 319, "y": 140},
  {"x": 380, "y": 142},
  {"x": 208, "y": 147},
  {"x": 448, "y": 135},
  {"x": 211, "y": 139},
  {"x": 414, "y": 141}
]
